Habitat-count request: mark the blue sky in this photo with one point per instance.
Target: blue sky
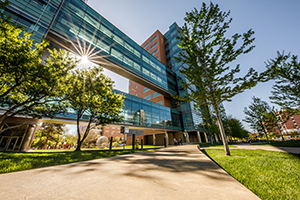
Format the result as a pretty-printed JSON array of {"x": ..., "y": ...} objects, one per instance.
[{"x": 276, "y": 25}]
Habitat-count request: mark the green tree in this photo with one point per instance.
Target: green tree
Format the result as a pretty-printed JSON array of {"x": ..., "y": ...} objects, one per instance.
[
  {"x": 207, "y": 52},
  {"x": 49, "y": 133},
  {"x": 255, "y": 114},
  {"x": 96, "y": 101},
  {"x": 68, "y": 139},
  {"x": 285, "y": 69},
  {"x": 209, "y": 123},
  {"x": 237, "y": 129},
  {"x": 92, "y": 136},
  {"x": 30, "y": 86},
  {"x": 275, "y": 119}
]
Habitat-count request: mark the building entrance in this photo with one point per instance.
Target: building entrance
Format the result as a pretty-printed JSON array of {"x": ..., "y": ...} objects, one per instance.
[
  {"x": 3, "y": 142},
  {"x": 8, "y": 143}
]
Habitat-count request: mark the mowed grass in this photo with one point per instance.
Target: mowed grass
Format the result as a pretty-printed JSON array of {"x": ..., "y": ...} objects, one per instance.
[
  {"x": 12, "y": 162},
  {"x": 269, "y": 174}
]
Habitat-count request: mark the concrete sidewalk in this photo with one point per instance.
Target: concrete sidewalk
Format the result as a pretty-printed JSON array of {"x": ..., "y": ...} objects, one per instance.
[{"x": 180, "y": 172}]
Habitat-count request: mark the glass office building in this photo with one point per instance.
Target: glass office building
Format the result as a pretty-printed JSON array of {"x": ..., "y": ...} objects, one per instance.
[
  {"x": 191, "y": 118},
  {"x": 72, "y": 24}
]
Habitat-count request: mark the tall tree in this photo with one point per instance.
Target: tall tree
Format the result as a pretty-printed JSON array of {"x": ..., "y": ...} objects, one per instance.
[
  {"x": 209, "y": 123},
  {"x": 255, "y": 114},
  {"x": 237, "y": 129},
  {"x": 285, "y": 69},
  {"x": 49, "y": 133},
  {"x": 30, "y": 86},
  {"x": 207, "y": 52},
  {"x": 275, "y": 119},
  {"x": 96, "y": 101}
]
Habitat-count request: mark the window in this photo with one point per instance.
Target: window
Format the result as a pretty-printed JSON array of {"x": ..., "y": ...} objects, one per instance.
[
  {"x": 136, "y": 94},
  {"x": 113, "y": 128},
  {"x": 113, "y": 132},
  {"x": 146, "y": 45},
  {"x": 106, "y": 131},
  {"x": 155, "y": 95},
  {"x": 136, "y": 87},
  {"x": 160, "y": 102},
  {"x": 153, "y": 45},
  {"x": 153, "y": 38},
  {"x": 148, "y": 97},
  {"x": 157, "y": 57},
  {"x": 154, "y": 51},
  {"x": 146, "y": 72},
  {"x": 145, "y": 90}
]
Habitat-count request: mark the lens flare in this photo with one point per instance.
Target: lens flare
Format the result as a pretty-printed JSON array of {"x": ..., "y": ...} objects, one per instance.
[{"x": 84, "y": 59}]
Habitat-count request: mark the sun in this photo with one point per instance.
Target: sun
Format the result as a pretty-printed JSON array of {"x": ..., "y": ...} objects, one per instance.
[{"x": 84, "y": 59}]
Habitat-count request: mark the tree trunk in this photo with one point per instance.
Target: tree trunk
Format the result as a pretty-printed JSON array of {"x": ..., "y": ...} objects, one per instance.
[
  {"x": 211, "y": 139},
  {"x": 265, "y": 132},
  {"x": 40, "y": 141},
  {"x": 222, "y": 131},
  {"x": 79, "y": 143}
]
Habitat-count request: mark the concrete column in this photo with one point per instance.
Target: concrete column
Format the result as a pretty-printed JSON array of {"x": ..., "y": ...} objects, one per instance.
[
  {"x": 206, "y": 140},
  {"x": 187, "y": 137},
  {"x": 154, "y": 139},
  {"x": 198, "y": 137},
  {"x": 28, "y": 137},
  {"x": 167, "y": 138}
]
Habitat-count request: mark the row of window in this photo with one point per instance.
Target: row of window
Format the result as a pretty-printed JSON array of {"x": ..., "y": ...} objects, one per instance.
[
  {"x": 146, "y": 45},
  {"x": 153, "y": 45},
  {"x": 154, "y": 51},
  {"x": 153, "y": 38},
  {"x": 113, "y": 132},
  {"x": 107, "y": 127}
]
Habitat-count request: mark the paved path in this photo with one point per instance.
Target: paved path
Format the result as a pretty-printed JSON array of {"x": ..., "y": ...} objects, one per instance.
[{"x": 180, "y": 172}]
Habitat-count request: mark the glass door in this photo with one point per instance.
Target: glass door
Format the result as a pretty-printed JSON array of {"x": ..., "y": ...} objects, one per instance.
[
  {"x": 12, "y": 143},
  {"x": 3, "y": 142}
]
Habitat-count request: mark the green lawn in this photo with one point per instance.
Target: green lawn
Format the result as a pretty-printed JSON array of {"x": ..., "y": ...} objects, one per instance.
[
  {"x": 289, "y": 143},
  {"x": 269, "y": 174},
  {"x": 11, "y": 162}
]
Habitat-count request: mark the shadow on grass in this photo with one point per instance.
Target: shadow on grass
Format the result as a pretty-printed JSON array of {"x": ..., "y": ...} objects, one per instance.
[
  {"x": 11, "y": 162},
  {"x": 289, "y": 143}
]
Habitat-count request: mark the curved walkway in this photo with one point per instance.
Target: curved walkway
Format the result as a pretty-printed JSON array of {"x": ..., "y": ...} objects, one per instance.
[{"x": 180, "y": 172}]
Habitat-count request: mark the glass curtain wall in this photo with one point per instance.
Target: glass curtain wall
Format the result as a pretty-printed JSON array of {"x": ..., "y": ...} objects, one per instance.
[
  {"x": 191, "y": 117},
  {"x": 34, "y": 15},
  {"x": 76, "y": 20}
]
